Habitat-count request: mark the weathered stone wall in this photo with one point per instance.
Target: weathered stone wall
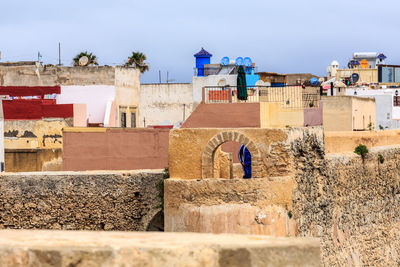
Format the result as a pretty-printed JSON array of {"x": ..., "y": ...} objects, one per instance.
[
  {"x": 123, "y": 201},
  {"x": 191, "y": 151},
  {"x": 255, "y": 206},
  {"x": 33, "y": 160},
  {"x": 53, "y": 75},
  {"x": 107, "y": 249},
  {"x": 26, "y": 134},
  {"x": 351, "y": 204}
]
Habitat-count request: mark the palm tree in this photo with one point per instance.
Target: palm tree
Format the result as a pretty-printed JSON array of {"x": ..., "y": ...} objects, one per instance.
[
  {"x": 92, "y": 58},
  {"x": 137, "y": 60}
]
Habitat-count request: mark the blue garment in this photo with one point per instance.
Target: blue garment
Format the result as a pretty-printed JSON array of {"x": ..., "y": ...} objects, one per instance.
[{"x": 245, "y": 159}]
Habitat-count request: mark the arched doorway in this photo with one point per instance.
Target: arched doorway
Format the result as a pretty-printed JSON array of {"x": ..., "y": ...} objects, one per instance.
[{"x": 207, "y": 161}]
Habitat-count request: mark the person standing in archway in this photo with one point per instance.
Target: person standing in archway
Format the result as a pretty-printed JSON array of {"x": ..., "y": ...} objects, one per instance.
[{"x": 245, "y": 160}]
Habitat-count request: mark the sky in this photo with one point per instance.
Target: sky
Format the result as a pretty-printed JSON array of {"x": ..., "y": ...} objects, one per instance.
[{"x": 280, "y": 36}]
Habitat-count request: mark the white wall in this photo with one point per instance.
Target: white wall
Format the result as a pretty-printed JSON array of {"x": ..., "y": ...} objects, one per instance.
[
  {"x": 94, "y": 96},
  {"x": 384, "y": 105},
  {"x": 212, "y": 80},
  {"x": 165, "y": 102}
]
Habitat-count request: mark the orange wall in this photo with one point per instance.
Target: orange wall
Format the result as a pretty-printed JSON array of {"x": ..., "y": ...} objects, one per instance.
[
  {"x": 114, "y": 149},
  {"x": 225, "y": 115}
]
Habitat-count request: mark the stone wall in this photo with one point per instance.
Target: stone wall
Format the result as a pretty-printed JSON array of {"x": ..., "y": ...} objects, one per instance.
[
  {"x": 33, "y": 160},
  {"x": 351, "y": 204},
  {"x": 191, "y": 151},
  {"x": 124, "y": 201},
  {"x": 29, "y": 75},
  {"x": 107, "y": 249}
]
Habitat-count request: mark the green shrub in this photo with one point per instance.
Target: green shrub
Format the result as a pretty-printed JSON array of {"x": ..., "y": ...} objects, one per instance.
[
  {"x": 381, "y": 159},
  {"x": 361, "y": 150}
]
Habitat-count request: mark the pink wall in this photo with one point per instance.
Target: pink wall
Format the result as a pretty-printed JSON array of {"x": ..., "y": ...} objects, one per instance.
[
  {"x": 80, "y": 115},
  {"x": 313, "y": 116},
  {"x": 94, "y": 96},
  {"x": 115, "y": 149}
]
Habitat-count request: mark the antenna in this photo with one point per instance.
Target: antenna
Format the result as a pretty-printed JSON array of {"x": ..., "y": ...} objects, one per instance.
[
  {"x": 83, "y": 61},
  {"x": 59, "y": 53}
]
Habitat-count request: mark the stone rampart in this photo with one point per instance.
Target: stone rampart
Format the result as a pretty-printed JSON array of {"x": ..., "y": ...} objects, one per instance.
[
  {"x": 123, "y": 201},
  {"x": 107, "y": 249},
  {"x": 350, "y": 203}
]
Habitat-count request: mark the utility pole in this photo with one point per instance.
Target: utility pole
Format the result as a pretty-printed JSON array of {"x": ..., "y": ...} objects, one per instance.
[
  {"x": 159, "y": 75},
  {"x": 59, "y": 54},
  {"x": 184, "y": 112},
  {"x": 167, "y": 76}
]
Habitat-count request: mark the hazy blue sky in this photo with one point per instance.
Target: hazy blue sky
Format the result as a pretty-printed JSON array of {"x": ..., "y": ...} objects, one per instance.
[{"x": 280, "y": 36}]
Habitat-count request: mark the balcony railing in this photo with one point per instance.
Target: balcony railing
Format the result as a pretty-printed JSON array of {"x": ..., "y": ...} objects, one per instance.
[{"x": 286, "y": 97}]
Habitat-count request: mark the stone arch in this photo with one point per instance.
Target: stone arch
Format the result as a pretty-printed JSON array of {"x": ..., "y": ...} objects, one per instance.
[
  {"x": 207, "y": 159},
  {"x": 156, "y": 224}
]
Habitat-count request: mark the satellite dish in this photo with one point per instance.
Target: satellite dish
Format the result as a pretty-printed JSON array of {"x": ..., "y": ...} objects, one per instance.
[
  {"x": 354, "y": 77},
  {"x": 239, "y": 61},
  {"x": 83, "y": 61},
  {"x": 247, "y": 62},
  {"x": 225, "y": 61},
  {"x": 314, "y": 81}
]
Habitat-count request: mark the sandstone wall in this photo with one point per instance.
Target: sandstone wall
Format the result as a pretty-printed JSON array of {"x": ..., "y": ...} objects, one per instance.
[
  {"x": 107, "y": 249},
  {"x": 32, "y": 160},
  {"x": 353, "y": 206},
  {"x": 29, "y": 75},
  {"x": 270, "y": 149},
  {"x": 122, "y": 201}
]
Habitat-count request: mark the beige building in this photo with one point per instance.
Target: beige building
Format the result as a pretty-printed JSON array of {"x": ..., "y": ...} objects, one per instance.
[
  {"x": 125, "y": 83},
  {"x": 366, "y": 75},
  {"x": 348, "y": 113}
]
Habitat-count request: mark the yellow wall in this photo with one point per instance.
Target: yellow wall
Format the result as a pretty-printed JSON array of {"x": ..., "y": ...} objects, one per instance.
[
  {"x": 339, "y": 142},
  {"x": 366, "y": 75},
  {"x": 272, "y": 115},
  {"x": 24, "y": 134},
  {"x": 337, "y": 113},
  {"x": 364, "y": 112},
  {"x": 348, "y": 113}
]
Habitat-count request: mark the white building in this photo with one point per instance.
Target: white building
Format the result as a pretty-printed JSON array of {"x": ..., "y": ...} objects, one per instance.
[{"x": 387, "y": 105}]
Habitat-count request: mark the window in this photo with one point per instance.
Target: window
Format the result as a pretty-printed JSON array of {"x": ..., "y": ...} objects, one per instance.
[
  {"x": 123, "y": 119},
  {"x": 396, "y": 101},
  {"x": 133, "y": 119}
]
